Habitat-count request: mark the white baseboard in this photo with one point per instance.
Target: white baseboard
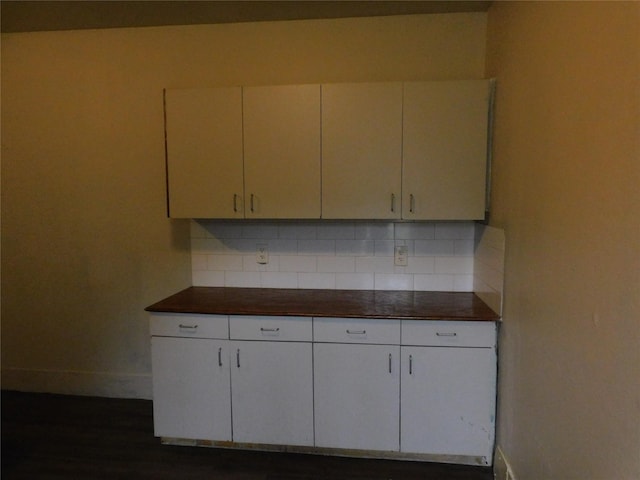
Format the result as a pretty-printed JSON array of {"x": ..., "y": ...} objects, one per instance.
[
  {"x": 501, "y": 468},
  {"x": 99, "y": 384}
]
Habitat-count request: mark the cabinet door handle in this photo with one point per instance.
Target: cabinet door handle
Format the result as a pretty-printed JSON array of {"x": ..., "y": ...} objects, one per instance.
[
  {"x": 410, "y": 364},
  {"x": 192, "y": 328},
  {"x": 262, "y": 329},
  {"x": 356, "y": 332},
  {"x": 235, "y": 202},
  {"x": 446, "y": 334},
  {"x": 251, "y": 202},
  {"x": 389, "y": 363},
  {"x": 238, "y": 358},
  {"x": 412, "y": 203},
  {"x": 220, "y": 356},
  {"x": 393, "y": 203}
]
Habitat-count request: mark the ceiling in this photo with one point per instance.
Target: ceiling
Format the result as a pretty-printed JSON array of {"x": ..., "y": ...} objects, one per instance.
[{"x": 29, "y": 16}]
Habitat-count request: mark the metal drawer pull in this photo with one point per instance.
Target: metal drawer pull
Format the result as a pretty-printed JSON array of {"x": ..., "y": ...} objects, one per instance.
[
  {"x": 220, "y": 356},
  {"x": 356, "y": 332},
  {"x": 410, "y": 364},
  {"x": 389, "y": 363},
  {"x": 446, "y": 334},
  {"x": 262, "y": 329},
  {"x": 188, "y": 327},
  {"x": 238, "y": 358}
]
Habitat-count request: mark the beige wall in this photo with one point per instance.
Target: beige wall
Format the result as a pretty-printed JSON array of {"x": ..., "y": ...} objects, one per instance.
[
  {"x": 566, "y": 189},
  {"x": 85, "y": 241}
]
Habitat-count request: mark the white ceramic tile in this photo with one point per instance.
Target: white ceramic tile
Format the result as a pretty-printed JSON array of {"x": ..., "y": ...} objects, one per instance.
[
  {"x": 283, "y": 246},
  {"x": 420, "y": 265},
  {"x": 354, "y": 281},
  {"x": 240, "y": 245},
  {"x": 355, "y": 247},
  {"x": 242, "y": 279},
  {"x": 455, "y": 230},
  {"x": 490, "y": 255},
  {"x": 204, "y": 246},
  {"x": 317, "y": 247},
  {"x": 297, "y": 263},
  {"x": 454, "y": 265},
  {"x": 198, "y": 261},
  {"x": 410, "y": 244},
  {"x": 224, "y": 262},
  {"x": 295, "y": 230},
  {"x": 249, "y": 264},
  {"x": 197, "y": 230},
  {"x": 435, "y": 283},
  {"x": 336, "y": 264},
  {"x": 386, "y": 281},
  {"x": 489, "y": 276},
  {"x": 374, "y": 265},
  {"x": 374, "y": 231},
  {"x": 463, "y": 283},
  {"x": 414, "y": 231},
  {"x": 491, "y": 236},
  {"x": 216, "y": 245},
  {"x": 206, "y": 278},
  {"x": 463, "y": 247},
  {"x": 221, "y": 229},
  {"x": 384, "y": 248},
  {"x": 278, "y": 280},
  {"x": 317, "y": 280},
  {"x": 433, "y": 247},
  {"x": 336, "y": 230},
  {"x": 261, "y": 230}
]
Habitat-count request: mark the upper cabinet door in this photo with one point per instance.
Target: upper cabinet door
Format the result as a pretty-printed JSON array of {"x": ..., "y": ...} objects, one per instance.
[
  {"x": 204, "y": 152},
  {"x": 282, "y": 151},
  {"x": 445, "y": 150},
  {"x": 361, "y": 150}
]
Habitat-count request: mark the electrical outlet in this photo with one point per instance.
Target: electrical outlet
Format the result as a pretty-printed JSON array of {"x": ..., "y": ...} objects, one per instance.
[
  {"x": 401, "y": 258},
  {"x": 262, "y": 254}
]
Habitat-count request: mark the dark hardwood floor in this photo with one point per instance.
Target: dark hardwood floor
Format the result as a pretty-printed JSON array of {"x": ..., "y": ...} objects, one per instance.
[{"x": 61, "y": 437}]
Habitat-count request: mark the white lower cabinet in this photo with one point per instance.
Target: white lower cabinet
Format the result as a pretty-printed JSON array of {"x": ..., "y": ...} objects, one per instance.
[
  {"x": 356, "y": 396},
  {"x": 413, "y": 387},
  {"x": 448, "y": 389},
  {"x": 447, "y": 401},
  {"x": 191, "y": 377},
  {"x": 272, "y": 392},
  {"x": 191, "y": 402}
]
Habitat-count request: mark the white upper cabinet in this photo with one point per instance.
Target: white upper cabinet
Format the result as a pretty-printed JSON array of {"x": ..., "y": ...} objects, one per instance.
[
  {"x": 361, "y": 150},
  {"x": 204, "y": 152},
  {"x": 389, "y": 150},
  {"x": 444, "y": 154},
  {"x": 282, "y": 151}
]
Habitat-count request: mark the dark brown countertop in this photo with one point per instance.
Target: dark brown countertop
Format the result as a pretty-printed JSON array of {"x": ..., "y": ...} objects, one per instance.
[{"x": 328, "y": 303}]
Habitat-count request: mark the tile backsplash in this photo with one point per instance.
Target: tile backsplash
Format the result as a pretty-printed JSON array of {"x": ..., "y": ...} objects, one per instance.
[
  {"x": 488, "y": 271},
  {"x": 333, "y": 254}
]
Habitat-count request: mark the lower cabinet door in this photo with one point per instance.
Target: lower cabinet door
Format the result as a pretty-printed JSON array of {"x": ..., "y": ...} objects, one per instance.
[
  {"x": 448, "y": 401},
  {"x": 191, "y": 388},
  {"x": 356, "y": 390},
  {"x": 272, "y": 392}
]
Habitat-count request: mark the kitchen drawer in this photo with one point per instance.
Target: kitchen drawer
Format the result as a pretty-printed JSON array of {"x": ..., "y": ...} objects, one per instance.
[
  {"x": 448, "y": 333},
  {"x": 283, "y": 329},
  {"x": 189, "y": 325},
  {"x": 356, "y": 330}
]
